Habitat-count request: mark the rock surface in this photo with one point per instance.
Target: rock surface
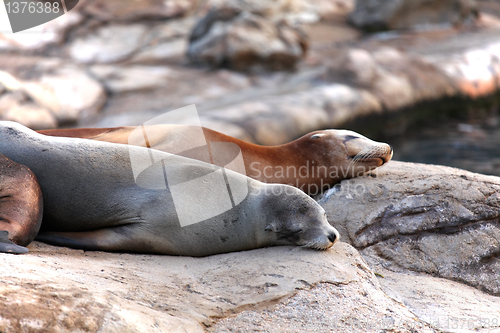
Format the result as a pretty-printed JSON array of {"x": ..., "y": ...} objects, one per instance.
[
  {"x": 433, "y": 219},
  {"x": 30, "y": 115},
  {"x": 293, "y": 11},
  {"x": 132, "y": 10},
  {"x": 69, "y": 92},
  {"x": 108, "y": 44},
  {"x": 59, "y": 289},
  {"x": 342, "y": 78},
  {"x": 374, "y": 15},
  {"x": 447, "y": 305},
  {"x": 245, "y": 41},
  {"x": 118, "y": 79},
  {"x": 283, "y": 288},
  {"x": 66, "y": 91}
]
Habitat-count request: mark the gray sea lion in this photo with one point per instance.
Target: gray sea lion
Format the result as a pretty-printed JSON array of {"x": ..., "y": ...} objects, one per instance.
[
  {"x": 313, "y": 163},
  {"x": 92, "y": 201},
  {"x": 21, "y": 206}
]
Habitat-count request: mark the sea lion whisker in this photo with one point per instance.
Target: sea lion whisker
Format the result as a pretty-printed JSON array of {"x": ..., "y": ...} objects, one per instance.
[
  {"x": 365, "y": 153},
  {"x": 359, "y": 156}
]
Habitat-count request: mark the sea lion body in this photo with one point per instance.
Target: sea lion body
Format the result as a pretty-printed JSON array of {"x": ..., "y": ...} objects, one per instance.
[
  {"x": 92, "y": 202},
  {"x": 21, "y": 206},
  {"x": 312, "y": 163}
]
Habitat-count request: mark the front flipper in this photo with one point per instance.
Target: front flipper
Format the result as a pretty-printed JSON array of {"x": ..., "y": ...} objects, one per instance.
[{"x": 7, "y": 246}]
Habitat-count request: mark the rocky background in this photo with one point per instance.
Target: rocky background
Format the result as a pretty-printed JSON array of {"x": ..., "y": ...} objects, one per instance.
[{"x": 421, "y": 243}]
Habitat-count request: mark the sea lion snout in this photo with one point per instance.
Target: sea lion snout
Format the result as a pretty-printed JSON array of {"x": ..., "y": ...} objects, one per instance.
[
  {"x": 324, "y": 241},
  {"x": 325, "y": 236},
  {"x": 364, "y": 153}
]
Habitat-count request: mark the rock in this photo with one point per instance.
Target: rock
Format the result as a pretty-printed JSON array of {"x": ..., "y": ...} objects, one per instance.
[
  {"x": 329, "y": 308},
  {"x": 171, "y": 29},
  {"x": 30, "y": 115},
  {"x": 166, "y": 41},
  {"x": 280, "y": 118},
  {"x": 245, "y": 41},
  {"x": 37, "y": 38},
  {"x": 292, "y": 11},
  {"x": 8, "y": 81},
  {"x": 356, "y": 67},
  {"x": 360, "y": 69},
  {"x": 278, "y": 126},
  {"x": 162, "y": 52},
  {"x": 120, "y": 79},
  {"x": 426, "y": 80},
  {"x": 328, "y": 9},
  {"x": 109, "y": 43},
  {"x": 424, "y": 218},
  {"x": 344, "y": 103},
  {"x": 132, "y": 10},
  {"x": 227, "y": 128},
  {"x": 10, "y": 100},
  {"x": 475, "y": 73},
  {"x": 395, "y": 92},
  {"x": 95, "y": 291},
  {"x": 374, "y": 15},
  {"x": 68, "y": 92},
  {"x": 396, "y": 79},
  {"x": 461, "y": 308}
]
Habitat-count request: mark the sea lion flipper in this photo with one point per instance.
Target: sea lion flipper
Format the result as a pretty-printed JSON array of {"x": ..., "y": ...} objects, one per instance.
[{"x": 7, "y": 246}]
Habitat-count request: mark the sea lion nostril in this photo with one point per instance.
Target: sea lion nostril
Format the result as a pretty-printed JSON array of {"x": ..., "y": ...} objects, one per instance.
[{"x": 332, "y": 237}]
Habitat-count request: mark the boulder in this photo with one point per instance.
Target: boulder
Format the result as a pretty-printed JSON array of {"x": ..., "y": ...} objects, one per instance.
[
  {"x": 16, "y": 106},
  {"x": 68, "y": 92},
  {"x": 30, "y": 115},
  {"x": 65, "y": 290},
  {"x": 166, "y": 41},
  {"x": 397, "y": 79},
  {"x": 120, "y": 79},
  {"x": 110, "y": 43},
  {"x": 245, "y": 41},
  {"x": 374, "y": 15},
  {"x": 11, "y": 99},
  {"x": 293, "y": 11},
  {"x": 433, "y": 219}
]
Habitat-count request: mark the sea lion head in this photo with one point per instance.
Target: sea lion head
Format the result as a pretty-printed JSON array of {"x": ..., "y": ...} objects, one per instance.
[
  {"x": 351, "y": 153},
  {"x": 295, "y": 219}
]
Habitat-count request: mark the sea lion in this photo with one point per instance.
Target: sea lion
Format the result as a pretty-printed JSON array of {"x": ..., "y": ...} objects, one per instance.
[
  {"x": 92, "y": 201},
  {"x": 312, "y": 163},
  {"x": 21, "y": 206}
]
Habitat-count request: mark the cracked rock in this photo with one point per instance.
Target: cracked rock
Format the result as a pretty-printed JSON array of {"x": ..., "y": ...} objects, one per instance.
[{"x": 433, "y": 219}]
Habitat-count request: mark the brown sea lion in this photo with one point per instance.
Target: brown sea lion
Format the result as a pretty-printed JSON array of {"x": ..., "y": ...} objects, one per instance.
[
  {"x": 313, "y": 163},
  {"x": 21, "y": 206}
]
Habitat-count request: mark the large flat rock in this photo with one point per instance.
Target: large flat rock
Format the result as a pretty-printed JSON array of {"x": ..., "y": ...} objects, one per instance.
[{"x": 63, "y": 290}]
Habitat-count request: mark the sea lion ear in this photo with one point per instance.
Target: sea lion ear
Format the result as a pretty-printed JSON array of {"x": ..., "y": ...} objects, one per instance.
[
  {"x": 316, "y": 136},
  {"x": 272, "y": 227}
]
